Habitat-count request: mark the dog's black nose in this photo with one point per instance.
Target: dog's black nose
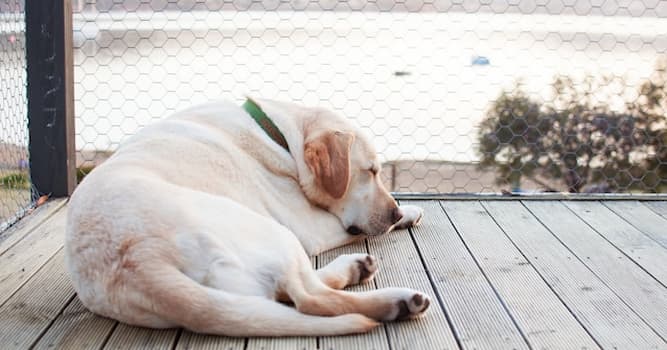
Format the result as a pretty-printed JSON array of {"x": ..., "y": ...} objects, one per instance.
[
  {"x": 396, "y": 214},
  {"x": 354, "y": 230}
]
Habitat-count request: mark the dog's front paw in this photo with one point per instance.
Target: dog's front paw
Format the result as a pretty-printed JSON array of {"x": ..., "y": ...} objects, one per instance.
[{"x": 412, "y": 216}]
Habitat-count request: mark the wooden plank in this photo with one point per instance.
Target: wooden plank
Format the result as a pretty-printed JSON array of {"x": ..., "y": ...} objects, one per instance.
[
  {"x": 478, "y": 317},
  {"x": 659, "y": 207},
  {"x": 400, "y": 266},
  {"x": 77, "y": 328},
  {"x": 286, "y": 343},
  {"x": 375, "y": 339},
  {"x": 189, "y": 340},
  {"x": 643, "y": 250},
  {"x": 542, "y": 318},
  {"x": 526, "y": 196},
  {"x": 31, "y": 310},
  {"x": 571, "y": 258},
  {"x": 129, "y": 337},
  {"x": 27, "y": 256},
  {"x": 641, "y": 217},
  {"x": 29, "y": 223},
  {"x": 633, "y": 285}
]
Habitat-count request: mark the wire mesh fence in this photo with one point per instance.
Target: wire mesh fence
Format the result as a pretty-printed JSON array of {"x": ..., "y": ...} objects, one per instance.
[
  {"x": 459, "y": 96},
  {"x": 15, "y": 193}
]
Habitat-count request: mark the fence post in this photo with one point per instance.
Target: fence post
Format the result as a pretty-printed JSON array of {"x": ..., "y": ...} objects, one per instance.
[{"x": 50, "y": 96}]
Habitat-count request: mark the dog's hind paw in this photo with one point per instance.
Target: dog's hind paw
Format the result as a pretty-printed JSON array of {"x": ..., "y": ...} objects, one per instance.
[
  {"x": 414, "y": 307},
  {"x": 366, "y": 268},
  {"x": 409, "y": 304},
  {"x": 348, "y": 269}
]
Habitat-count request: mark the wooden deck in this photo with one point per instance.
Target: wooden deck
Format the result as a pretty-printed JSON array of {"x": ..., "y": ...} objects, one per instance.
[{"x": 503, "y": 275}]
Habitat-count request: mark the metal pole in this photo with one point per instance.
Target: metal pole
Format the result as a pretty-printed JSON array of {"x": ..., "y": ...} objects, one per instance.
[{"x": 50, "y": 96}]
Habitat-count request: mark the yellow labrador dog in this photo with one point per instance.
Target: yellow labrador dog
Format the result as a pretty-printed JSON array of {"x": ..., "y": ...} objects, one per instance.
[{"x": 205, "y": 220}]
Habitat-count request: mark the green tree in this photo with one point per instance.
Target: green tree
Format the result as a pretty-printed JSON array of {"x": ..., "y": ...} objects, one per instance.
[
  {"x": 651, "y": 105},
  {"x": 576, "y": 143},
  {"x": 509, "y": 137}
]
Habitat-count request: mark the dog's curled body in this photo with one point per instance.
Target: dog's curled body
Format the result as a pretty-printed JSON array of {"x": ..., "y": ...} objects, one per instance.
[{"x": 203, "y": 221}]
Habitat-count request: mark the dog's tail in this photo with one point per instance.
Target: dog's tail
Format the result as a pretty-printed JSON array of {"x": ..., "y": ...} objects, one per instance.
[{"x": 180, "y": 300}]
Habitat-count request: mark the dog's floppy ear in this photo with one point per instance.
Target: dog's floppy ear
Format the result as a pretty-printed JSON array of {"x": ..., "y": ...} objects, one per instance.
[{"x": 328, "y": 158}]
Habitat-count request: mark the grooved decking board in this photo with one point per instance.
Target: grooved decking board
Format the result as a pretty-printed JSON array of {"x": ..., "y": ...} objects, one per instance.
[
  {"x": 571, "y": 257},
  {"x": 26, "y": 257},
  {"x": 643, "y": 250},
  {"x": 634, "y": 286},
  {"x": 286, "y": 343},
  {"x": 32, "y": 309},
  {"x": 28, "y": 223},
  {"x": 477, "y": 315},
  {"x": 542, "y": 318},
  {"x": 615, "y": 298},
  {"x": 643, "y": 218},
  {"x": 129, "y": 337},
  {"x": 375, "y": 339},
  {"x": 400, "y": 266},
  {"x": 76, "y": 328},
  {"x": 659, "y": 207},
  {"x": 189, "y": 340}
]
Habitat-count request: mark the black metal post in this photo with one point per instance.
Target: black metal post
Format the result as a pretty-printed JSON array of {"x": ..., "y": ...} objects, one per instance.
[{"x": 50, "y": 96}]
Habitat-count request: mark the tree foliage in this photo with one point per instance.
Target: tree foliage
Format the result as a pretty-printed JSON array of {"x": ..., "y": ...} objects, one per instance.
[{"x": 577, "y": 142}]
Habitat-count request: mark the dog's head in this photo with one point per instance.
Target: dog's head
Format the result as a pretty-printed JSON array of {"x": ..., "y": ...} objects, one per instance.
[
  {"x": 346, "y": 181},
  {"x": 339, "y": 171}
]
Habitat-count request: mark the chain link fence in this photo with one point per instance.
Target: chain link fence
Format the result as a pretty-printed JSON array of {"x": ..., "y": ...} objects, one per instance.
[
  {"x": 15, "y": 195},
  {"x": 460, "y": 96}
]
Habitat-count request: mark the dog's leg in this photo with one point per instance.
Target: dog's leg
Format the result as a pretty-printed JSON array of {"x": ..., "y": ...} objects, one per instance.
[
  {"x": 412, "y": 216},
  {"x": 302, "y": 285},
  {"x": 348, "y": 269},
  {"x": 387, "y": 304},
  {"x": 331, "y": 233},
  {"x": 169, "y": 298}
]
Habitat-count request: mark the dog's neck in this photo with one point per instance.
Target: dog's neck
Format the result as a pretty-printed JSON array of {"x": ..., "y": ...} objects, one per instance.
[{"x": 292, "y": 121}]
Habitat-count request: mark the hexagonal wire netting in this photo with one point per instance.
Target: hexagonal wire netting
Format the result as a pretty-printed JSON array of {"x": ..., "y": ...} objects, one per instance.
[
  {"x": 460, "y": 96},
  {"x": 15, "y": 193}
]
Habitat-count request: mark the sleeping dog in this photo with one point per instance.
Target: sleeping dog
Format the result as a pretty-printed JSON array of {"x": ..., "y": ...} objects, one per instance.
[{"x": 205, "y": 220}]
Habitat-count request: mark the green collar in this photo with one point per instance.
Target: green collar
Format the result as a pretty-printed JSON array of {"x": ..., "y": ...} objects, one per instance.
[{"x": 267, "y": 124}]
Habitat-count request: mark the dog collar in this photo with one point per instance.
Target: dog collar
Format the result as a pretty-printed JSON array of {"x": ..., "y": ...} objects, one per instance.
[{"x": 265, "y": 123}]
